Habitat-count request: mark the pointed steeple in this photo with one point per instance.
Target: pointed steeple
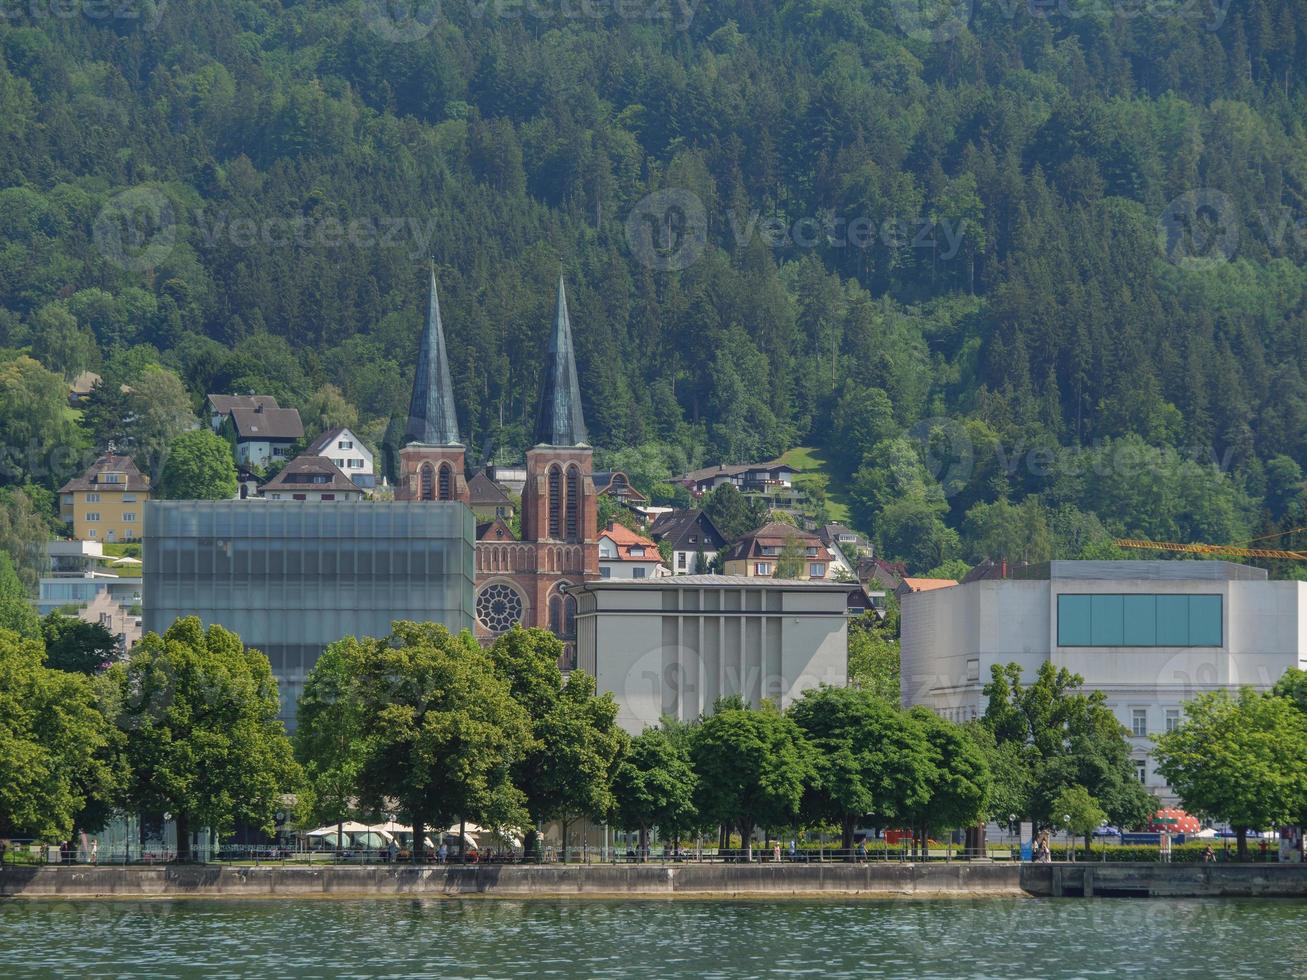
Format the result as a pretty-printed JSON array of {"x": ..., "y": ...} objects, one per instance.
[
  {"x": 432, "y": 420},
  {"x": 559, "y": 422}
]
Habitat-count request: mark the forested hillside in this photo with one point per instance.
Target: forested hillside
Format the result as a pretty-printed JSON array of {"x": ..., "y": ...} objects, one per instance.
[{"x": 1031, "y": 278}]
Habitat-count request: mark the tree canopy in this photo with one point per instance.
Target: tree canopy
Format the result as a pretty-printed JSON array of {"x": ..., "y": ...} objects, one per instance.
[{"x": 199, "y": 711}]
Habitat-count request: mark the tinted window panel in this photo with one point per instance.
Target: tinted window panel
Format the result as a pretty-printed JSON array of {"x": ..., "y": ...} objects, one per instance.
[
  {"x": 1073, "y": 620},
  {"x": 1105, "y": 621}
]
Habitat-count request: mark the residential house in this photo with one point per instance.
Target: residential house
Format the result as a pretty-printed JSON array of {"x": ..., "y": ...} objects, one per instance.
[
  {"x": 311, "y": 478},
  {"x": 263, "y": 434},
  {"x": 759, "y": 553},
  {"x": 773, "y": 481},
  {"x": 106, "y": 502},
  {"x": 488, "y": 500},
  {"x": 624, "y": 553},
  {"x": 693, "y": 537},
  {"x": 220, "y": 407},
  {"x": 617, "y": 485},
  {"x": 79, "y": 572},
  {"x": 844, "y": 544},
  {"x": 347, "y": 451},
  {"x": 80, "y": 388}
]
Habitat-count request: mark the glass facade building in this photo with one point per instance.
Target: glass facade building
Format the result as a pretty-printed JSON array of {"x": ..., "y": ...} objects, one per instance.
[{"x": 292, "y": 577}]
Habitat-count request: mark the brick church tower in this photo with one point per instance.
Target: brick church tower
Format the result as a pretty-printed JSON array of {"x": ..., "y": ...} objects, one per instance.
[
  {"x": 559, "y": 506},
  {"x": 432, "y": 464},
  {"x": 517, "y": 581}
]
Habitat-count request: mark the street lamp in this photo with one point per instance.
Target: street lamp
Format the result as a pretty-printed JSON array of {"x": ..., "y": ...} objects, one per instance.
[
  {"x": 1103, "y": 844},
  {"x": 1070, "y": 841}
]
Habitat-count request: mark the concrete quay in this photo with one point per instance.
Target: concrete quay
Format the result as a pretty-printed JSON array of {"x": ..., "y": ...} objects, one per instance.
[
  {"x": 958, "y": 879},
  {"x": 870, "y": 880}
]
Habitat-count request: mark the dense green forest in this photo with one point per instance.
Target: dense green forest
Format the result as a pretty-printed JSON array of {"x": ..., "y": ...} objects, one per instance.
[{"x": 1031, "y": 280}]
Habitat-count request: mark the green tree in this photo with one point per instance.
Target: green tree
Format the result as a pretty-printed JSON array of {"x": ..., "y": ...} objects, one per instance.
[
  {"x": 199, "y": 466},
  {"x": 76, "y": 646},
  {"x": 40, "y": 442},
  {"x": 437, "y": 729},
  {"x": 52, "y": 740},
  {"x": 1242, "y": 760},
  {"x": 327, "y": 409},
  {"x": 871, "y": 760},
  {"x": 790, "y": 563},
  {"x": 60, "y": 344},
  {"x": 1078, "y": 812},
  {"x": 199, "y": 711},
  {"x": 654, "y": 786},
  {"x": 734, "y": 514},
  {"x": 16, "y": 610},
  {"x": 329, "y": 738},
  {"x": 753, "y": 766},
  {"x": 159, "y": 411},
  {"x": 568, "y": 772},
  {"x": 1064, "y": 737},
  {"x": 959, "y": 782},
  {"x": 874, "y": 663}
]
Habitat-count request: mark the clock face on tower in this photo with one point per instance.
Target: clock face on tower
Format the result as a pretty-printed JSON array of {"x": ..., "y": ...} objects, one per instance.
[{"x": 499, "y": 607}]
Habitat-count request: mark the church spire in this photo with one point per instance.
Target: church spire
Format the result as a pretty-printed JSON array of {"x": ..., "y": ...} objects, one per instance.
[
  {"x": 432, "y": 420},
  {"x": 559, "y": 422}
]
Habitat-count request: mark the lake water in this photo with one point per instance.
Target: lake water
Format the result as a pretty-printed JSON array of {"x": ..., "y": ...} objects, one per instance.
[{"x": 1009, "y": 939}]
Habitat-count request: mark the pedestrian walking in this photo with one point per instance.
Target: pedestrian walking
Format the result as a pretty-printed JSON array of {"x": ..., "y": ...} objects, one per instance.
[
  {"x": 95, "y": 850},
  {"x": 443, "y": 853},
  {"x": 776, "y": 852},
  {"x": 793, "y": 850},
  {"x": 1209, "y": 855}
]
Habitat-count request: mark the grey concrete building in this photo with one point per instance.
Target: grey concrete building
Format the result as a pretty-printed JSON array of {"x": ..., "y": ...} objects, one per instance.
[
  {"x": 672, "y": 646},
  {"x": 291, "y": 578}
]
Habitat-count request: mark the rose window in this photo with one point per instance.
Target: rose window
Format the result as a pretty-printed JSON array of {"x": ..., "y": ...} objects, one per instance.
[{"x": 499, "y": 607}]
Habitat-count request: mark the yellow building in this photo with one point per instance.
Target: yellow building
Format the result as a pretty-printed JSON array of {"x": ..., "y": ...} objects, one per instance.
[{"x": 107, "y": 502}]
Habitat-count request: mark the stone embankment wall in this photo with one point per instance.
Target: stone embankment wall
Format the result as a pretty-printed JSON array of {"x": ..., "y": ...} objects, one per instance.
[
  {"x": 1150, "y": 880},
  {"x": 957, "y": 879},
  {"x": 548, "y": 881}
]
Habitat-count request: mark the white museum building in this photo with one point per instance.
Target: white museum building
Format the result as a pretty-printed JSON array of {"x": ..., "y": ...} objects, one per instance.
[{"x": 1149, "y": 634}]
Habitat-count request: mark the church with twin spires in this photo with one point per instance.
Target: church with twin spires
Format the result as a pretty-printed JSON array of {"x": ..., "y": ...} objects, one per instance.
[{"x": 518, "y": 581}]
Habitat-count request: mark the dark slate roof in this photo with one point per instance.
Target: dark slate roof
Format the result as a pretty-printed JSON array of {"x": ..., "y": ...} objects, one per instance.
[
  {"x": 677, "y": 525},
  {"x": 267, "y": 423},
  {"x": 133, "y": 481},
  {"x": 432, "y": 420},
  {"x": 559, "y": 421},
  {"x": 224, "y": 404},
  {"x": 485, "y": 492},
  {"x": 316, "y": 473},
  {"x": 325, "y": 440}
]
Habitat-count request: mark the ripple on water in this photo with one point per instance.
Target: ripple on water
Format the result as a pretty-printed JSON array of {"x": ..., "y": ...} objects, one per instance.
[{"x": 1000, "y": 938}]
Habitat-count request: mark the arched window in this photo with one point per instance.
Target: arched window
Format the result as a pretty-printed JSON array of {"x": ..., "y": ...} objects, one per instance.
[
  {"x": 556, "y": 616},
  {"x": 555, "y": 501},
  {"x": 573, "y": 503},
  {"x": 569, "y": 617},
  {"x": 446, "y": 491},
  {"x": 427, "y": 478}
]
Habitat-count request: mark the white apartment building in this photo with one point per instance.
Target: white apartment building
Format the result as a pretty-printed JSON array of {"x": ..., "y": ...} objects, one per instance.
[{"x": 1149, "y": 634}]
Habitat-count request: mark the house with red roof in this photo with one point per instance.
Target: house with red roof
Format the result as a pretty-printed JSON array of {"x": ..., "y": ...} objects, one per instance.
[{"x": 624, "y": 553}]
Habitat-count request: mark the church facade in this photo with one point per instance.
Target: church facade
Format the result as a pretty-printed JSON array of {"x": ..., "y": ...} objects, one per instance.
[{"x": 519, "y": 580}]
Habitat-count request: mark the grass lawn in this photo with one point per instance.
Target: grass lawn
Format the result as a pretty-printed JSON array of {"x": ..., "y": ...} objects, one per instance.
[{"x": 810, "y": 459}]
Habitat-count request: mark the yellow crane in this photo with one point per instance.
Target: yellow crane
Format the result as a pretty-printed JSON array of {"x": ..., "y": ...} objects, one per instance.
[{"x": 1231, "y": 550}]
